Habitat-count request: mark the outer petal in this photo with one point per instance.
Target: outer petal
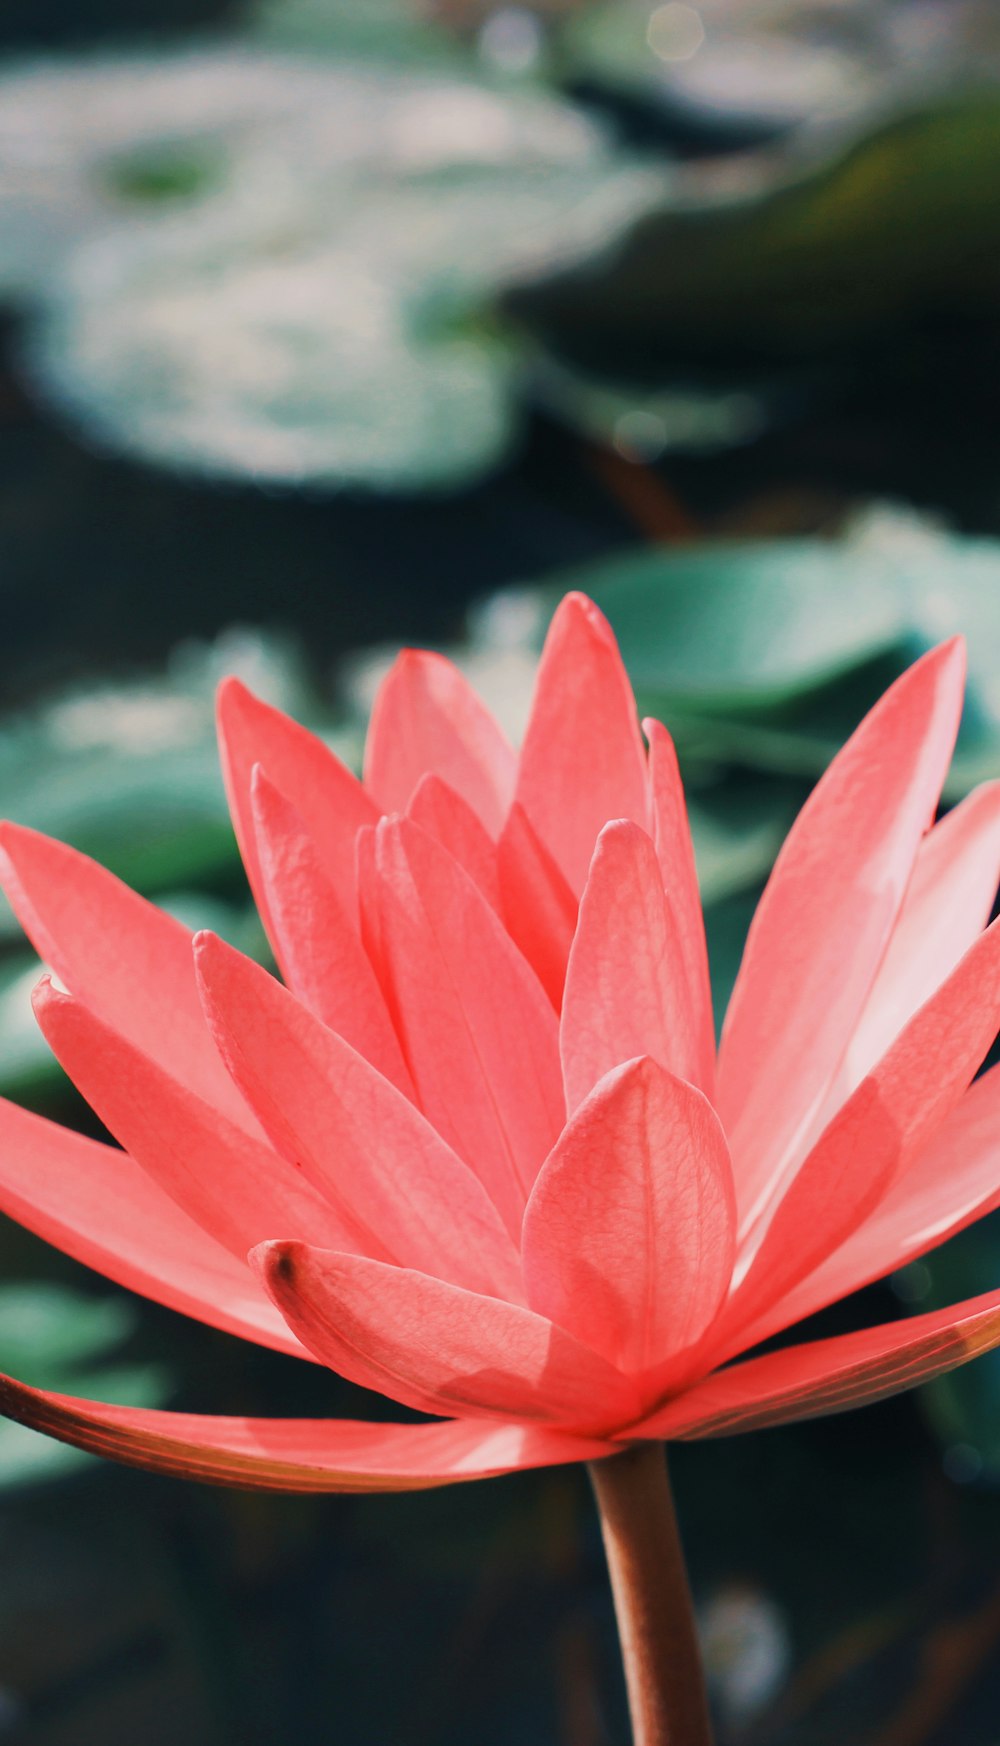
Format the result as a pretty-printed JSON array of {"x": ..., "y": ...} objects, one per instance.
[
  {"x": 360, "y": 1143},
  {"x": 946, "y": 906},
  {"x": 234, "y": 1187},
  {"x": 443, "y": 813},
  {"x": 329, "y": 799},
  {"x": 536, "y": 903},
  {"x": 317, "y": 945},
  {"x": 479, "y": 1035},
  {"x": 583, "y": 761},
  {"x": 428, "y": 718},
  {"x": 626, "y": 987},
  {"x": 437, "y": 1348},
  {"x": 892, "y": 1115},
  {"x": 951, "y": 1182},
  {"x": 825, "y": 917},
  {"x": 828, "y": 1376},
  {"x": 672, "y": 835},
  {"x": 629, "y": 1234},
  {"x": 96, "y": 1204},
  {"x": 293, "y": 1454},
  {"x": 129, "y": 961}
]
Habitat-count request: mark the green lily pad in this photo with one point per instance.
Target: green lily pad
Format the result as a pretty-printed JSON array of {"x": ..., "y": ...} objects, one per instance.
[
  {"x": 767, "y": 654},
  {"x": 824, "y": 258},
  {"x": 723, "y": 627}
]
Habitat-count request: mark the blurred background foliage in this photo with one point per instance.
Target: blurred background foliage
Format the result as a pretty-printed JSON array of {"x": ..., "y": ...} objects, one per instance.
[{"x": 327, "y": 326}]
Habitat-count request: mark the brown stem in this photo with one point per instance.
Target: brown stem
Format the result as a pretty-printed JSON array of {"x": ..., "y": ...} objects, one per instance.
[{"x": 659, "y": 1643}]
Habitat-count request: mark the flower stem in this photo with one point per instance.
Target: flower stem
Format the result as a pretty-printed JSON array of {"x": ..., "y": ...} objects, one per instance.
[{"x": 656, "y": 1628}]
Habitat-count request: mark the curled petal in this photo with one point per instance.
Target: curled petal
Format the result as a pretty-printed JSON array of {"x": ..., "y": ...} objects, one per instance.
[
  {"x": 344, "y": 1455},
  {"x": 435, "y": 1347}
]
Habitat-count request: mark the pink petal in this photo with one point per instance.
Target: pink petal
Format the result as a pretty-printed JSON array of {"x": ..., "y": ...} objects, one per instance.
[
  {"x": 629, "y": 1234},
  {"x": 583, "y": 760},
  {"x": 96, "y": 1204},
  {"x": 330, "y": 801},
  {"x": 825, "y": 917},
  {"x": 316, "y": 944},
  {"x": 437, "y": 1348},
  {"x": 360, "y": 1143},
  {"x": 442, "y": 812},
  {"x": 948, "y": 1184},
  {"x": 536, "y": 903},
  {"x": 829, "y": 1376},
  {"x": 672, "y": 835},
  {"x": 130, "y": 962},
  {"x": 478, "y": 1033},
  {"x": 892, "y": 1115},
  {"x": 293, "y": 1454},
  {"x": 427, "y": 718},
  {"x": 234, "y": 1187},
  {"x": 626, "y": 989},
  {"x": 946, "y": 906}
]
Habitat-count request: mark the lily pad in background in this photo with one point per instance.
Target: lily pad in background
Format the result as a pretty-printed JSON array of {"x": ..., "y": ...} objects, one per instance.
[
  {"x": 65, "y": 1341},
  {"x": 766, "y": 654},
  {"x": 777, "y": 61},
  {"x": 315, "y": 306},
  {"x": 387, "y": 30},
  {"x": 822, "y": 260}
]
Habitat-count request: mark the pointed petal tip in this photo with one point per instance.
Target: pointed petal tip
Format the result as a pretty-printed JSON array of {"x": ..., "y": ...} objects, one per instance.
[
  {"x": 232, "y": 694},
  {"x": 203, "y": 944},
  {"x": 274, "y": 1259},
  {"x": 950, "y": 656},
  {"x": 46, "y": 995}
]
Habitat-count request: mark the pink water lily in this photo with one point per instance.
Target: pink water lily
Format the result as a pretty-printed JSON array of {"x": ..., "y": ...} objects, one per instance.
[{"x": 476, "y": 1151}]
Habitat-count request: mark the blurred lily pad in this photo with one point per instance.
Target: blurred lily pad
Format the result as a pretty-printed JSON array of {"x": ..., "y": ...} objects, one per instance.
[
  {"x": 300, "y": 293},
  {"x": 766, "y": 654},
  {"x": 723, "y": 627},
  {"x": 57, "y": 1338},
  {"x": 824, "y": 258},
  {"x": 773, "y": 61},
  {"x": 393, "y": 30}
]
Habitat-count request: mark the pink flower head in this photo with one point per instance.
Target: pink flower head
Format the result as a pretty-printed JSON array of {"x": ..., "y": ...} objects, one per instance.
[{"x": 477, "y": 1152}]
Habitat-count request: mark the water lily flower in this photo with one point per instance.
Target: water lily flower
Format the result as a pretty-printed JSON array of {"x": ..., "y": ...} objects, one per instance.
[{"x": 477, "y": 1150}]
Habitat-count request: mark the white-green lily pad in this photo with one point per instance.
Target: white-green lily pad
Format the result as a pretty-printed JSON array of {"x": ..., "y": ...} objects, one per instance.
[{"x": 304, "y": 296}]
